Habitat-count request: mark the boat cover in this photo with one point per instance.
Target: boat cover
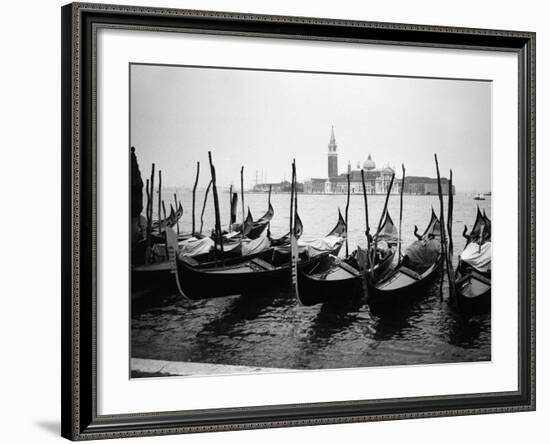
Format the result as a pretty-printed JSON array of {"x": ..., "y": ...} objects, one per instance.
[
  {"x": 479, "y": 257},
  {"x": 230, "y": 245},
  {"x": 251, "y": 246},
  {"x": 319, "y": 246},
  {"x": 194, "y": 247},
  {"x": 420, "y": 255}
]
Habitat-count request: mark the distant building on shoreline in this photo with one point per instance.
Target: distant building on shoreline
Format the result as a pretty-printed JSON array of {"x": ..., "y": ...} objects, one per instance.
[
  {"x": 426, "y": 185},
  {"x": 280, "y": 187},
  {"x": 377, "y": 180}
]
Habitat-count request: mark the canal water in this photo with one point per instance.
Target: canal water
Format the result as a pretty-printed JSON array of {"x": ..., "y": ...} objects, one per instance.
[{"x": 271, "y": 329}]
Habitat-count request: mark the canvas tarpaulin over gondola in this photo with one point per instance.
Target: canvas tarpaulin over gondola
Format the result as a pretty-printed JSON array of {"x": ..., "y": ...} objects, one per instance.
[
  {"x": 319, "y": 246},
  {"x": 420, "y": 255},
  {"x": 252, "y": 246},
  {"x": 195, "y": 247},
  {"x": 478, "y": 256}
]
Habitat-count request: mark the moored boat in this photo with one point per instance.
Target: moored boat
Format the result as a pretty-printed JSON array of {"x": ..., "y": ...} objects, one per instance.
[
  {"x": 335, "y": 280},
  {"x": 171, "y": 220},
  {"x": 479, "y": 196},
  {"x": 473, "y": 273},
  {"x": 419, "y": 264},
  {"x": 265, "y": 269}
]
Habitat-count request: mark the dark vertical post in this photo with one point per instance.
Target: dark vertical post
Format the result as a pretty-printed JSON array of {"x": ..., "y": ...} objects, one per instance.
[
  {"x": 163, "y": 213},
  {"x": 150, "y": 226},
  {"x": 178, "y": 219},
  {"x": 367, "y": 228},
  {"x": 401, "y": 212},
  {"x": 204, "y": 205},
  {"x": 373, "y": 254},
  {"x": 291, "y": 229},
  {"x": 147, "y": 209},
  {"x": 450, "y": 210},
  {"x": 295, "y": 203},
  {"x": 216, "y": 203},
  {"x": 230, "y": 207},
  {"x": 268, "y": 207},
  {"x": 347, "y": 211},
  {"x": 364, "y": 264},
  {"x": 242, "y": 198},
  {"x": 193, "y": 203},
  {"x": 442, "y": 225},
  {"x": 450, "y": 207},
  {"x": 160, "y": 201},
  {"x": 164, "y": 222}
]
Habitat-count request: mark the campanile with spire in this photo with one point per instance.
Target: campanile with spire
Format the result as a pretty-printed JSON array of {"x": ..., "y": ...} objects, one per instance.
[{"x": 332, "y": 156}]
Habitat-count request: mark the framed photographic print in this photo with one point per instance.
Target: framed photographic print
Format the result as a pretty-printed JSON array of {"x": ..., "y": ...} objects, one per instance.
[{"x": 276, "y": 221}]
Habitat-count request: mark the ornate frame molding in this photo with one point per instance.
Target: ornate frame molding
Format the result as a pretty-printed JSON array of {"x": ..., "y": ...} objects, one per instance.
[{"x": 79, "y": 410}]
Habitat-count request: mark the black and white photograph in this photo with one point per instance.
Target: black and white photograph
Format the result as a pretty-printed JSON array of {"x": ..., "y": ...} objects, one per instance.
[
  {"x": 292, "y": 221},
  {"x": 274, "y": 222}
]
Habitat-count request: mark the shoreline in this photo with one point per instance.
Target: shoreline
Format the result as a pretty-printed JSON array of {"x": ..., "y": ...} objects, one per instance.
[
  {"x": 301, "y": 193},
  {"x": 153, "y": 368}
]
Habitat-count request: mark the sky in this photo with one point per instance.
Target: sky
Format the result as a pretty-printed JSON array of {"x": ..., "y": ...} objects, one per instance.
[{"x": 264, "y": 119}]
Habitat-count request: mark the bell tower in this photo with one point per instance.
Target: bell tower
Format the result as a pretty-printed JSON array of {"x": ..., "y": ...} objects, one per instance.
[{"x": 332, "y": 156}]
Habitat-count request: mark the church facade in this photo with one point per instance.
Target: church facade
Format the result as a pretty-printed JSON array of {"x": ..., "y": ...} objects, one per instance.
[{"x": 377, "y": 180}]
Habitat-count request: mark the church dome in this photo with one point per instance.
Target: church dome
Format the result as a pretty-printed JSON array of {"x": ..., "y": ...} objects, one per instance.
[{"x": 369, "y": 164}]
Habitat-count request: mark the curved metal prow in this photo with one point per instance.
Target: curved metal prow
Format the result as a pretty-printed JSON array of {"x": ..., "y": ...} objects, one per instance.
[
  {"x": 464, "y": 235},
  {"x": 416, "y": 233}
]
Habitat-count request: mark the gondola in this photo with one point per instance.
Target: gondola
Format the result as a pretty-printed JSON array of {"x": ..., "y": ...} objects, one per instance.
[
  {"x": 419, "y": 264},
  {"x": 479, "y": 196},
  {"x": 473, "y": 273},
  {"x": 203, "y": 250},
  {"x": 268, "y": 214},
  {"x": 255, "y": 231},
  {"x": 282, "y": 245},
  {"x": 207, "y": 253},
  {"x": 157, "y": 239},
  {"x": 233, "y": 242},
  {"x": 335, "y": 280},
  {"x": 269, "y": 268},
  {"x": 253, "y": 228},
  {"x": 171, "y": 220}
]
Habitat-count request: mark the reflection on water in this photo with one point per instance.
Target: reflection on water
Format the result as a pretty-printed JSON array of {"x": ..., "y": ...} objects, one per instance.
[{"x": 272, "y": 330}]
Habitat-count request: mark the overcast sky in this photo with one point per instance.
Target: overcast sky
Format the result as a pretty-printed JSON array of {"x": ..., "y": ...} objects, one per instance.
[{"x": 263, "y": 119}]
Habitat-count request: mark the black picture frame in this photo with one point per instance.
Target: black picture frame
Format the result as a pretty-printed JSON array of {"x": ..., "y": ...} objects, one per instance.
[{"x": 79, "y": 395}]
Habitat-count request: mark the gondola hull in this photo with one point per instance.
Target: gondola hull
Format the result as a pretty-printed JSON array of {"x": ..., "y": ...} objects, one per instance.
[
  {"x": 336, "y": 282},
  {"x": 239, "y": 277},
  {"x": 159, "y": 276},
  {"x": 472, "y": 286},
  {"x": 473, "y": 291},
  {"x": 402, "y": 285}
]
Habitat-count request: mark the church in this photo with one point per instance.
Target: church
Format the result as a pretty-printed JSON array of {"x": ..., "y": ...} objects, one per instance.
[{"x": 377, "y": 180}]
